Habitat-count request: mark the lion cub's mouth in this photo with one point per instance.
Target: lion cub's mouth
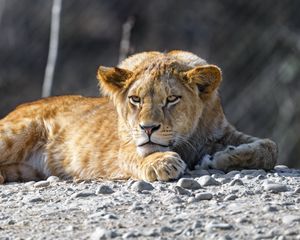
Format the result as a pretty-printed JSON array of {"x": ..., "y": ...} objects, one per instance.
[{"x": 149, "y": 143}]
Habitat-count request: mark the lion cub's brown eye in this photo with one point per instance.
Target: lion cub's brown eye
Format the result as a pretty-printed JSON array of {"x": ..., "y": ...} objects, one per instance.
[
  {"x": 173, "y": 99},
  {"x": 135, "y": 100}
]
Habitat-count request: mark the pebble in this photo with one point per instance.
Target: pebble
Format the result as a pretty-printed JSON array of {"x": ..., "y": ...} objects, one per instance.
[
  {"x": 152, "y": 232},
  {"x": 191, "y": 200},
  {"x": 214, "y": 225},
  {"x": 208, "y": 181},
  {"x": 83, "y": 194},
  {"x": 139, "y": 186},
  {"x": 104, "y": 189},
  {"x": 103, "y": 234},
  {"x": 281, "y": 167},
  {"x": 181, "y": 191},
  {"x": 166, "y": 229},
  {"x": 260, "y": 177},
  {"x": 41, "y": 184},
  {"x": 203, "y": 196},
  {"x": 215, "y": 171},
  {"x": 238, "y": 176},
  {"x": 297, "y": 190},
  {"x": 270, "y": 209},
  {"x": 237, "y": 182},
  {"x": 230, "y": 197},
  {"x": 288, "y": 219},
  {"x": 196, "y": 224},
  {"x": 53, "y": 179},
  {"x": 35, "y": 199},
  {"x": 275, "y": 187},
  {"x": 29, "y": 184},
  {"x": 131, "y": 234},
  {"x": 249, "y": 171},
  {"x": 188, "y": 183},
  {"x": 232, "y": 173}
]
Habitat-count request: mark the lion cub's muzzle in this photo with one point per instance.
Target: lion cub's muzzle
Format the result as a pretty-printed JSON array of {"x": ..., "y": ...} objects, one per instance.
[{"x": 151, "y": 140}]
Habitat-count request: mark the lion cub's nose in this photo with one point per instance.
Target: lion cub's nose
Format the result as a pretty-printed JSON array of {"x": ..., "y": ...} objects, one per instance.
[{"x": 149, "y": 129}]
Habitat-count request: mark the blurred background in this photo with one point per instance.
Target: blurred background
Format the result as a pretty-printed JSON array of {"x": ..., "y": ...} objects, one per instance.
[{"x": 256, "y": 43}]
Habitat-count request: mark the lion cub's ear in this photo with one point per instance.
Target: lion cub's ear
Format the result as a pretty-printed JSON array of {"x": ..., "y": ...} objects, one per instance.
[
  {"x": 112, "y": 79},
  {"x": 207, "y": 77}
]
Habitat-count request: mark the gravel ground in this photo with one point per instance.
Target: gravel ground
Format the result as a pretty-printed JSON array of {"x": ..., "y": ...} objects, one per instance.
[{"x": 247, "y": 204}]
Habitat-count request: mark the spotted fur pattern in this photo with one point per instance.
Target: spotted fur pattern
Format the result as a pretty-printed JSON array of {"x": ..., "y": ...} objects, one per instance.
[{"x": 160, "y": 113}]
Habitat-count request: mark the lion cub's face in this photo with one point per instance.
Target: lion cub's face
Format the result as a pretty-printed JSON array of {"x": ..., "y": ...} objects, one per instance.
[
  {"x": 159, "y": 106},
  {"x": 160, "y": 112}
]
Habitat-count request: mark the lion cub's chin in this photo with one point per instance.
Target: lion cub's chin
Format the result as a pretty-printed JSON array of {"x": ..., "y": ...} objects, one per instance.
[{"x": 150, "y": 148}]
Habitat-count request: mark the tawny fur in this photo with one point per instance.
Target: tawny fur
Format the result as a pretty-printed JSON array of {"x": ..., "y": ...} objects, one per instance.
[{"x": 175, "y": 94}]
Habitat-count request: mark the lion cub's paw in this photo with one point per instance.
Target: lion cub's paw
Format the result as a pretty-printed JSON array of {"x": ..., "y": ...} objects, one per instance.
[{"x": 164, "y": 166}]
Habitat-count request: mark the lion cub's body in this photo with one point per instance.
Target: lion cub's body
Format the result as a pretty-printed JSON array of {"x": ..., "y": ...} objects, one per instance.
[{"x": 134, "y": 132}]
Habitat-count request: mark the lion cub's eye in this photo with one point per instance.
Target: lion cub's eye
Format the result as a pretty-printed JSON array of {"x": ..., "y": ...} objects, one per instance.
[
  {"x": 173, "y": 99},
  {"x": 135, "y": 100}
]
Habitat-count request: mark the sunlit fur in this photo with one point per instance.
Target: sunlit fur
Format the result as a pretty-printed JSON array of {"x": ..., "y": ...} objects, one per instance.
[{"x": 102, "y": 138}]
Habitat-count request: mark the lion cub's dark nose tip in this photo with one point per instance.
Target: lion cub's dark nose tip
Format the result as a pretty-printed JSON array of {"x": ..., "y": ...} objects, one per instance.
[{"x": 149, "y": 129}]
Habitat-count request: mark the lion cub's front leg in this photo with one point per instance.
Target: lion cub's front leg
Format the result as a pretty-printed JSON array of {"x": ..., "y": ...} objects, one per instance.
[
  {"x": 162, "y": 166},
  {"x": 243, "y": 151}
]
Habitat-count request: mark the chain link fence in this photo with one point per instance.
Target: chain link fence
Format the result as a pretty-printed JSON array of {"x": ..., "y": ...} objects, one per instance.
[{"x": 256, "y": 43}]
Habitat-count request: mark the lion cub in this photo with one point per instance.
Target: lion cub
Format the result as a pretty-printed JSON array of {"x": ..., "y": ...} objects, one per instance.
[{"x": 161, "y": 113}]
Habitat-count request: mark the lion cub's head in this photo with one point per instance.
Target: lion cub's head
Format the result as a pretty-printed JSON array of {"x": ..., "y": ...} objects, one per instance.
[{"x": 159, "y": 97}]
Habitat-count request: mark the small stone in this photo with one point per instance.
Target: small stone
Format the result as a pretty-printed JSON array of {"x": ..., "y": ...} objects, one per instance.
[
  {"x": 166, "y": 229},
  {"x": 191, "y": 200},
  {"x": 102, "y": 234},
  {"x": 152, "y": 232},
  {"x": 216, "y": 171},
  {"x": 225, "y": 237},
  {"x": 35, "y": 199},
  {"x": 249, "y": 171},
  {"x": 225, "y": 180},
  {"x": 243, "y": 220},
  {"x": 248, "y": 177},
  {"x": 83, "y": 194},
  {"x": 270, "y": 209},
  {"x": 104, "y": 189},
  {"x": 223, "y": 226},
  {"x": 275, "y": 187},
  {"x": 238, "y": 176},
  {"x": 29, "y": 184},
  {"x": 260, "y": 177},
  {"x": 41, "y": 184},
  {"x": 230, "y": 197},
  {"x": 297, "y": 190},
  {"x": 141, "y": 185},
  {"x": 288, "y": 219},
  {"x": 136, "y": 207},
  {"x": 232, "y": 173},
  {"x": 280, "y": 167},
  {"x": 188, "y": 183},
  {"x": 53, "y": 179},
  {"x": 110, "y": 216},
  {"x": 208, "y": 181},
  {"x": 203, "y": 196},
  {"x": 182, "y": 191},
  {"x": 196, "y": 224},
  {"x": 130, "y": 234},
  {"x": 11, "y": 222},
  {"x": 237, "y": 182}
]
